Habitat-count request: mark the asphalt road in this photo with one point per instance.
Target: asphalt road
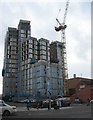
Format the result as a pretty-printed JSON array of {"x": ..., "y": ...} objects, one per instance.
[{"x": 74, "y": 111}]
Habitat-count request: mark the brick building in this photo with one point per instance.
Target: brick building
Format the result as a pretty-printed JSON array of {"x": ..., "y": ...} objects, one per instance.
[{"x": 81, "y": 88}]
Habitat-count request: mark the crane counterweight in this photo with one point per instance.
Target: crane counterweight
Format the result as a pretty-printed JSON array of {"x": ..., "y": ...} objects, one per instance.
[{"x": 60, "y": 27}]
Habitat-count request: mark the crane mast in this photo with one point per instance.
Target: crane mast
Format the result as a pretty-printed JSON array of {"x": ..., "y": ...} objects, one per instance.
[{"x": 62, "y": 28}]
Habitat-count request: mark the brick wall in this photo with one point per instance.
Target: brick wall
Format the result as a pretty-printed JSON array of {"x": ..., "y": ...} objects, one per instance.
[{"x": 83, "y": 94}]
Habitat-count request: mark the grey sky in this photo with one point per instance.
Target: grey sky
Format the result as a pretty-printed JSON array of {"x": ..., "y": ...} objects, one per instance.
[{"x": 42, "y": 16}]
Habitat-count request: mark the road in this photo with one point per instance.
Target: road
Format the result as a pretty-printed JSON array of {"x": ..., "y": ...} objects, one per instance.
[{"x": 74, "y": 111}]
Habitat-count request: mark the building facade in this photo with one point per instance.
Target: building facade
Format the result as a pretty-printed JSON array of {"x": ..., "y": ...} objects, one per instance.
[
  {"x": 55, "y": 52},
  {"x": 10, "y": 62},
  {"x": 46, "y": 78},
  {"x": 79, "y": 87},
  {"x": 28, "y": 69}
]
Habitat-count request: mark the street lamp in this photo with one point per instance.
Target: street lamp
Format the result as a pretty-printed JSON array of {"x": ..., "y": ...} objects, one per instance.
[
  {"x": 48, "y": 88},
  {"x": 49, "y": 100}
]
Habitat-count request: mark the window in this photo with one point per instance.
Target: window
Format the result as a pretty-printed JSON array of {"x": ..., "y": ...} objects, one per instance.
[
  {"x": 82, "y": 86},
  {"x": 13, "y": 70},
  {"x": 7, "y": 56},
  {"x": 13, "y": 52},
  {"x": 43, "y": 47},
  {"x": 30, "y": 50},
  {"x": 28, "y": 31},
  {"x": 7, "y": 74},
  {"x": 23, "y": 35},
  {"x": 30, "y": 41},
  {"x": 13, "y": 39},
  {"x": 3, "y": 104},
  {"x": 22, "y": 31},
  {"x": 12, "y": 61},
  {"x": 30, "y": 55},
  {"x": 8, "y": 47},
  {"x": 13, "y": 56},
  {"x": 12, "y": 43},
  {"x": 13, "y": 48},
  {"x": 43, "y": 57},
  {"x": 43, "y": 52}
]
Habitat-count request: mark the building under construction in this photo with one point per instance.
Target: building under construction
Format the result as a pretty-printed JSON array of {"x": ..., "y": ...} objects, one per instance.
[{"x": 32, "y": 67}]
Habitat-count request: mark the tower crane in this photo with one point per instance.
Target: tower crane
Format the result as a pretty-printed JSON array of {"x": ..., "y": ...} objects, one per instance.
[{"x": 62, "y": 26}]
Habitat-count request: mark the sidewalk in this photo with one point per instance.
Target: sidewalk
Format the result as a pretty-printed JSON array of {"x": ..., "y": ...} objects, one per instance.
[
  {"x": 35, "y": 109},
  {"x": 31, "y": 109}
]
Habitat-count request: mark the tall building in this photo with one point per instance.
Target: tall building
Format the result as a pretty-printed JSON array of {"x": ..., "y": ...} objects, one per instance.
[
  {"x": 10, "y": 62},
  {"x": 24, "y": 31},
  {"x": 30, "y": 66}
]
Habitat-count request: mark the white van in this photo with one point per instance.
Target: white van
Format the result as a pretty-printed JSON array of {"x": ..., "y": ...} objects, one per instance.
[{"x": 6, "y": 109}]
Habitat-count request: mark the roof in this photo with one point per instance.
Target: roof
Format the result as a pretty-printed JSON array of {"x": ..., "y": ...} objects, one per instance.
[{"x": 74, "y": 82}]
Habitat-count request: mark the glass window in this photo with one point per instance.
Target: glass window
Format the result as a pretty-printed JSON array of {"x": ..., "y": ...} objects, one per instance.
[
  {"x": 7, "y": 56},
  {"x": 13, "y": 47},
  {"x": 28, "y": 35},
  {"x": 13, "y": 39},
  {"x": 13, "y": 61},
  {"x": 7, "y": 74},
  {"x": 28, "y": 31},
  {"x": 13, "y": 43},
  {"x": 43, "y": 57},
  {"x": 30, "y": 55},
  {"x": 36, "y": 57},
  {"x": 13, "y": 52},
  {"x": 13, "y": 56},
  {"x": 43, "y": 52},
  {"x": 22, "y": 31},
  {"x": 30, "y": 50},
  {"x": 8, "y": 47},
  {"x": 30, "y": 41},
  {"x": 23, "y": 35}
]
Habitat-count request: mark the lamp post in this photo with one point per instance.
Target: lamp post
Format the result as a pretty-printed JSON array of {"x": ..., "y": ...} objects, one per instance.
[
  {"x": 48, "y": 88},
  {"x": 49, "y": 100}
]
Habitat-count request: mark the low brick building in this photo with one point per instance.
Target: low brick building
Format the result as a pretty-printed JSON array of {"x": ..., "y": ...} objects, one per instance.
[{"x": 81, "y": 88}]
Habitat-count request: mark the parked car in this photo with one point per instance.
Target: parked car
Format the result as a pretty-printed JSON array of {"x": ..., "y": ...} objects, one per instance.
[
  {"x": 23, "y": 101},
  {"x": 45, "y": 103},
  {"x": 63, "y": 102},
  {"x": 91, "y": 101},
  {"x": 77, "y": 101},
  {"x": 6, "y": 109}
]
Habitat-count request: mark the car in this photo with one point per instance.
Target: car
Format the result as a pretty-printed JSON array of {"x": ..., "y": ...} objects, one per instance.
[
  {"x": 77, "y": 101},
  {"x": 45, "y": 103},
  {"x": 23, "y": 101},
  {"x": 6, "y": 110},
  {"x": 91, "y": 101},
  {"x": 63, "y": 102}
]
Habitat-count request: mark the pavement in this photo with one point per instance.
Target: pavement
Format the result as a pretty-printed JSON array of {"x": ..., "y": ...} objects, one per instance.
[{"x": 35, "y": 109}]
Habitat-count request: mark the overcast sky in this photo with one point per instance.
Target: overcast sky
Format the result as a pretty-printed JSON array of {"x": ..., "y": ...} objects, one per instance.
[{"x": 43, "y": 20}]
